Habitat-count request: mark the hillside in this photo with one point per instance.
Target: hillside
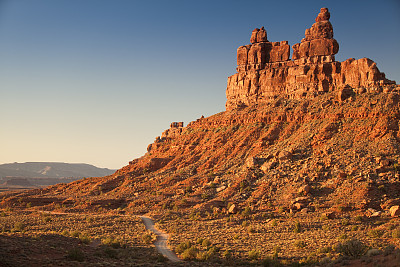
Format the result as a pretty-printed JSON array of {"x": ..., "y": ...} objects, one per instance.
[
  {"x": 51, "y": 169},
  {"x": 308, "y": 150}
]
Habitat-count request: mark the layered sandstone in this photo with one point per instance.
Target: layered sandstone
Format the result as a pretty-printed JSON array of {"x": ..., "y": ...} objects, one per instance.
[{"x": 265, "y": 70}]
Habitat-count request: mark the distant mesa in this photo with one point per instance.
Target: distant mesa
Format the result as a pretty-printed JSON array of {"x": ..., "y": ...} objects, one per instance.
[
  {"x": 265, "y": 70},
  {"x": 51, "y": 169}
]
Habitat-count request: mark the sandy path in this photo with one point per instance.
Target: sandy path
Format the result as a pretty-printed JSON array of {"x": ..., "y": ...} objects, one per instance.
[{"x": 161, "y": 242}]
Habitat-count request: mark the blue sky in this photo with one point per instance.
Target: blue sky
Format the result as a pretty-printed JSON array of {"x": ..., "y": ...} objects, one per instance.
[{"x": 96, "y": 81}]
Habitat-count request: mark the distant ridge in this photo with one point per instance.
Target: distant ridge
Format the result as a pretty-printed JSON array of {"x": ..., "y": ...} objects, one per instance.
[{"x": 52, "y": 170}]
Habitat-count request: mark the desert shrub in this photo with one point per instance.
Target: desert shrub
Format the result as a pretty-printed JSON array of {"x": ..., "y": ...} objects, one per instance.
[
  {"x": 147, "y": 238},
  {"x": 277, "y": 249},
  {"x": 250, "y": 229},
  {"x": 297, "y": 227},
  {"x": 84, "y": 238},
  {"x": 352, "y": 248},
  {"x": 345, "y": 222},
  {"x": 358, "y": 218},
  {"x": 323, "y": 217},
  {"x": 206, "y": 255},
  {"x": 75, "y": 233},
  {"x": 199, "y": 240},
  {"x": 182, "y": 247},
  {"x": 246, "y": 212},
  {"x": 65, "y": 233},
  {"x": 396, "y": 167},
  {"x": 376, "y": 233},
  {"x": 46, "y": 217},
  {"x": 112, "y": 242},
  {"x": 274, "y": 223},
  {"x": 343, "y": 236},
  {"x": 326, "y": 249},
  {"x": 396, "y": 233},
  {"x": 206, "y": 243},
  {"x": 202, "y": 256},
  {"x": 18, "y": 227},
  {"x": 227, "y": 254},
  {"x": 189, "y": 253},
  {"x": 76, "y": 254},
  {"x": 299, "y": 244},
  {"x": 253, "y": 254},
  {"x": 213, "y": 250}
]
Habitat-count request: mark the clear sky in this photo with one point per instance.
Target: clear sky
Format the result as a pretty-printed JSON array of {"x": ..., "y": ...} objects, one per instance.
[{"x": 93, "y": 81}]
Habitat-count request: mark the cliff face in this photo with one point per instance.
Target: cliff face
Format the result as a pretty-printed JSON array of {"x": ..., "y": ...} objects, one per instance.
[{"x": 265, "y": 70}]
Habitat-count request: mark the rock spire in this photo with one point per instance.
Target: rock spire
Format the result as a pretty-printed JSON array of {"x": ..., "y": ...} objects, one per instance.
[{"x": 265, "y": 70}]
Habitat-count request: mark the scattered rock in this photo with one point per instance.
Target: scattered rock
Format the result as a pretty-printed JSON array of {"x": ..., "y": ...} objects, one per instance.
[
  {"x": 233, "y": 209},
  {"x": 254, "y": 162},
  {"x": 305, "y": 210},
  {"x": 285, "y": 155},
  {"x": 390, "y": 203},
  {"x": 304, "y": 189},
  {"x": 345, "y": 93},
  {"x": 376, "y": 214},
  {"x": 394, "y": 211},
  {"x": 301, "y": 199},
  {"x": 384, "y": 163},
  {"x": 268, "y": 165},
  {"x": 221, "y": 188},
  {"x": 298, "y": 206},
  {"x": 329, "y": 214}
]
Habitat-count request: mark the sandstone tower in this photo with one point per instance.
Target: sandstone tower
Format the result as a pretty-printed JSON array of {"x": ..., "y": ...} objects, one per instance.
[{"x": 265, "y": 70}]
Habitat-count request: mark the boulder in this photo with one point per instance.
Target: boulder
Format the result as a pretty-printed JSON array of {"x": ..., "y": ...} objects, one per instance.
[
  {"x": 298, "y": 206},
  {"x": 394, "y": 211},
  {"x": 304, "y": 189},
  {"x": 268, "y": 165},
  {"x": 344, "y": 93},
  {"x": 233, "y": 209},
  {"x": 285, "y": 155}
]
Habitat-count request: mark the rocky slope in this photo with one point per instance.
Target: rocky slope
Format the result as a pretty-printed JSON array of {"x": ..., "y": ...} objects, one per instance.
[{"x": 298, "y": 135}]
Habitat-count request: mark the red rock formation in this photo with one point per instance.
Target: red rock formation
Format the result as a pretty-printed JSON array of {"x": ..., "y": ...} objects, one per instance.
[
  {"x": 265, "y": 71},
  {"x": 318, "y": 39},
  {"x": 258, "y": 36}
]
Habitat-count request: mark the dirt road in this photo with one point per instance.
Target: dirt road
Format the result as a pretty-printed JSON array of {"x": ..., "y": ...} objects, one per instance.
[{"x": 161, "y": 242}]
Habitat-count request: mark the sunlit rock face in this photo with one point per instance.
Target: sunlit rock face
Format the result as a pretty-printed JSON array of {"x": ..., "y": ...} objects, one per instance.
[{"x": 265, "y": 70}]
